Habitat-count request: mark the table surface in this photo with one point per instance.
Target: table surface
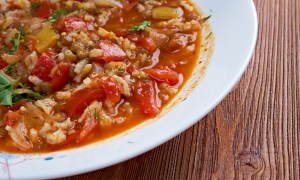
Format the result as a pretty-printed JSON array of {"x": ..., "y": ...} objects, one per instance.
[{"x": 254, "y": 132}]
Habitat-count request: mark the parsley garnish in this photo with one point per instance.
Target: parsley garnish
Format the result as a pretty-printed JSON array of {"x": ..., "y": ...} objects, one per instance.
[
  {"x": 55, "y": 16},
  {"x": 140, "y": 27},
  {"x": 35, "y": 6},
  {"x": 8, "y": 94},
  {"x": 11, "y": 68},
  {"x": 16, "y": 41},
  {"x": 203, "y": 20}
]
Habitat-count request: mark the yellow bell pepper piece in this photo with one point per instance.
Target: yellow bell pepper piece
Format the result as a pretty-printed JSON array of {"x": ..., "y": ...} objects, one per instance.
[
  {"x": 46, "y": 39},
  {"x": 167, "y": 12}
]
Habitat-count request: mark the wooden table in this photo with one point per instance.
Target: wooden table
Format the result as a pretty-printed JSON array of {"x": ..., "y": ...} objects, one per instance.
[{"x": 254, "y": 132}]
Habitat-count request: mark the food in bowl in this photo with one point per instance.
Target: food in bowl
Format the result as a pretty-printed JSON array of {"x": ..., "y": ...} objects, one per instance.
[{"x": 76, "y": 72}]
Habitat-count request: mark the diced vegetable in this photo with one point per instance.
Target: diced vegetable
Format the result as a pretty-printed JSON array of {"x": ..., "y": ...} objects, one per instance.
[
  {"x": 167, "y": 12},
  {"x": 107, "y": 3},
  {"x": 111, "y": 52},
  {"x": 46, "y": 38},
  {"x": 73, "y": 23},
  {"x": 164, "y": 74},
  {"x": 43, "y": 67},
  {"x": 111, "y": 87},
  {"x": 61, "y": 77},
  {"x": 81, "y": 99},
  {"x": 146, "y": 43},
  {"x": 145, "y": 95},
  {"x": 42, "y": 9}
]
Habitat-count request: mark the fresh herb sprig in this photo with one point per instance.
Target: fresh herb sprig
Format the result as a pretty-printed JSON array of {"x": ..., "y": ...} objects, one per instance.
[
  {"x": 140, "y": 27},
  {"x": 56, "y": 15},
  {"x": 15, "y": 42},
  {"x": 203, "y": 20},
  {"x": 8, "y": 95},
  {"x": 11, "y": 68}
]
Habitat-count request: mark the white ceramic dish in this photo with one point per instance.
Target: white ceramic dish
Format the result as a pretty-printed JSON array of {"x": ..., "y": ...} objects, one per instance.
[{"x": 234, "y": 23}]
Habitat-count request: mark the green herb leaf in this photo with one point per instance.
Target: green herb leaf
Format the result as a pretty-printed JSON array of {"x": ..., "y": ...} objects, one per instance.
[
  {"x": 4, "y": 81},
  {"x": 140, "y": 27},
  {"x": 35, "y": 94},
  {"x": 16, "y": 41},
  {"x": 35, "y": 6},
  {"x": 6, "y": 97},
  {"x": 55, "y": 16},
  {"x": 15, "y": 44},
  {"x": 11, "y": 68},
  {"x": 203, "y": 20}
]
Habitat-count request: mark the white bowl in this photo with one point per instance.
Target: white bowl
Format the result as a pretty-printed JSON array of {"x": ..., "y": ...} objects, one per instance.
[{"x": 234, "y": 23}]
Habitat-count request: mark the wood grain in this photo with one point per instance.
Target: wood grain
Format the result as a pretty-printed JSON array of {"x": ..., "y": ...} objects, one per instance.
[{"x": 254, "y": 132}]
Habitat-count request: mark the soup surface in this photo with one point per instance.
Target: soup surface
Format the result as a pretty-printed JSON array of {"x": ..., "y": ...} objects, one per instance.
[{"x": 76, "y": 72}]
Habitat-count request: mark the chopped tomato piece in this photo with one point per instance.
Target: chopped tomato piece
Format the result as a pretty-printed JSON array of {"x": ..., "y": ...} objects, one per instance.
[
  {"x": 145, "y": 95},
  {"x": 111, "y": 87},
  {"x": 129, "y": 4},
  {"x": 111, "y": 52},
  {"x": 61, "y": 77},
  {"x": 164, "y": 74},
  {"x": 44, "y": 10},
  {"x": 89, "y": 125},
  {"x": 81, "y": 99},
  {"x": 43, "y": 67},
  {"x": 10, "y": 118},
  {"x": 73, "y": 23},
  {"x": 146, "y": 43},
  {"x": 3, "y": 64}
]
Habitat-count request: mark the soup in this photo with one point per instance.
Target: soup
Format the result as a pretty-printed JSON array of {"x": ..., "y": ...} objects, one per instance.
[{"x": 76, "y": 72}]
